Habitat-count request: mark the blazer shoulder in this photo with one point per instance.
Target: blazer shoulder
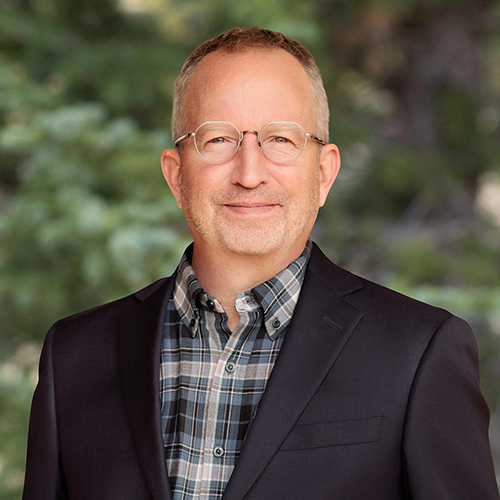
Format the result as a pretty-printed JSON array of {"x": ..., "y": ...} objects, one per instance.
[
  {"x": 111, "y": 310},
  {"x": 371, "y": 297}
]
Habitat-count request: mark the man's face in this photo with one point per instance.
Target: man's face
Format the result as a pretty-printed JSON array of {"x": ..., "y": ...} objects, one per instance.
[{"x": 250, "y": 204}]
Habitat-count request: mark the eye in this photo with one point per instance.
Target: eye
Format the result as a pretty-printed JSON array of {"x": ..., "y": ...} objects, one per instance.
[
  {"x": 216, "y": 140},
  {"x": 221, "y": 140},
  {"x": 283, "y": 141}
]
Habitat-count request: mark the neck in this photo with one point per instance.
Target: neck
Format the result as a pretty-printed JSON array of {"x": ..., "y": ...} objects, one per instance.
[{"x": 224, "y": 274}]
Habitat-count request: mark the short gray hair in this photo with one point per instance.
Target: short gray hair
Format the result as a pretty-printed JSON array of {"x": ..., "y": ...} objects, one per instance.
[{"x": 241, "y": 40}]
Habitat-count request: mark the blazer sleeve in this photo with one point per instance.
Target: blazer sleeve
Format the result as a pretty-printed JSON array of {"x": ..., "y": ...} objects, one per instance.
[
  {"x": 44, "y": 477},
  {"x": 446, "y": 444}
]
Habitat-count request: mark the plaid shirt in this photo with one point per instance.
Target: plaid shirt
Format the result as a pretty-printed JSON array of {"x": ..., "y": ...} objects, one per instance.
[{"x": 212, "y": 379}]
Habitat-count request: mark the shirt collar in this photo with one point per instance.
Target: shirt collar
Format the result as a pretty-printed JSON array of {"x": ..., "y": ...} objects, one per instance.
[{"x": 277, "y": 296}]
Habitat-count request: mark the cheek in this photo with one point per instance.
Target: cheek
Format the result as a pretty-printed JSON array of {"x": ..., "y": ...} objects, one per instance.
[
  {"x": 303, "y": 187},
  {"x": 196, "y": 189}
]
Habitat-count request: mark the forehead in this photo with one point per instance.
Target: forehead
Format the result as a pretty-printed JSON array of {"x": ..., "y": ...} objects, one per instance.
[{"x": 252, "y": 87}]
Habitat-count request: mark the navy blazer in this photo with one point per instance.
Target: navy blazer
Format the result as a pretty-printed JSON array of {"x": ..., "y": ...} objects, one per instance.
[{"x": 373, "y": 396}]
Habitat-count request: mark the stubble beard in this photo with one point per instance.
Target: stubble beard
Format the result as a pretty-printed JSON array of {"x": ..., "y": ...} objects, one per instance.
[{"x": 256, "y": 236}]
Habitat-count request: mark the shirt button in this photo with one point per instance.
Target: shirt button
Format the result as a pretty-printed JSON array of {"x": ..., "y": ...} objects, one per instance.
[
  {"x": 230, "y": 367},
  {"x": 276, "y": 323},
  {"x": 218, "y": 451},
  {"x": 210, "y": 305},
  {"x": 192, "y": 323}
]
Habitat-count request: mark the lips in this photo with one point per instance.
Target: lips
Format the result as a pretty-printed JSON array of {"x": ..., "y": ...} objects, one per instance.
[
  {"x": 251, "y": 207},
  {"x": 250, "y": 204}
]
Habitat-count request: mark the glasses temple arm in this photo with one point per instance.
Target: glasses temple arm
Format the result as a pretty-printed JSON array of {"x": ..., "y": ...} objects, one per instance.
[
  {"x": 317, "y": 139},
  {"x": 183, "y": 137}
]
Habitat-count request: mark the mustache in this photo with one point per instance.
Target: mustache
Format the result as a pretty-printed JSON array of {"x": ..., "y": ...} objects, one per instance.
[{"x": 241, "y": 194}]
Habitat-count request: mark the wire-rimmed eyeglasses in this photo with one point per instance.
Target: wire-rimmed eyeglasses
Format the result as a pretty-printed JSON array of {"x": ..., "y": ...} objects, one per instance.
[{"x": 281, "y": 142}]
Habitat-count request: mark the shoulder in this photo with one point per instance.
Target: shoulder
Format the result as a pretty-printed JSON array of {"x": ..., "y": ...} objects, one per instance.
[
  {"x": 410, "y": 336},
  {"x": 391, "y": 313},
  {"x": 357, "y": 289},
  {"x": 98, "y": 318}
]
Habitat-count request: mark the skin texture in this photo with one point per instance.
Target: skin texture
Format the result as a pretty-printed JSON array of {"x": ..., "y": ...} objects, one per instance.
[{"x": 249, "y": 215}]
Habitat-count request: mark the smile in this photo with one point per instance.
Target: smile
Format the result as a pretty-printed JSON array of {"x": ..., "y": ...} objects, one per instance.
[{"x": 251, "y": 208}]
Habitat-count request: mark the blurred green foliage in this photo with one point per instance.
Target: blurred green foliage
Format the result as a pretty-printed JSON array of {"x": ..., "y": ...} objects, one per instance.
[{"x": 86, "y": 217}]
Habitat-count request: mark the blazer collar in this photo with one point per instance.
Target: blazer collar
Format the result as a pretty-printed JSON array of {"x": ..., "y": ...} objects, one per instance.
[
  {"x": 139, "y": 346},
  {"x": 322, "y": 324}
]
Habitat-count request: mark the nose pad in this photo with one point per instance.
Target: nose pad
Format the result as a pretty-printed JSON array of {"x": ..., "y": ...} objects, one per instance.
[{"x": 259, "y": 143}]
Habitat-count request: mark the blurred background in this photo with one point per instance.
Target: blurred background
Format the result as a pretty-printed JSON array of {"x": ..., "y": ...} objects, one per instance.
[{"x": 86, "y": 217}]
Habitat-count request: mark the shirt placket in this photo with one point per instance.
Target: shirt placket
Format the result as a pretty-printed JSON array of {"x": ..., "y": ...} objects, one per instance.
[{"x": 219, "y": 453}]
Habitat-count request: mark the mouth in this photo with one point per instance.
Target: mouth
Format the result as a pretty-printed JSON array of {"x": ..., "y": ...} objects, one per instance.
[{"x": 251, "y": 207}]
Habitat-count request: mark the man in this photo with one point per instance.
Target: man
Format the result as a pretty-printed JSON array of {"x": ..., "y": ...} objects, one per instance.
[{"x": 259, "y": 370}]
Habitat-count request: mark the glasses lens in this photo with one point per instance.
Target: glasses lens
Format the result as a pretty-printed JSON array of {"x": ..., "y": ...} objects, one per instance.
[
  {"x": 283, "y": 142},
  {"x": 216, "y": 141}
]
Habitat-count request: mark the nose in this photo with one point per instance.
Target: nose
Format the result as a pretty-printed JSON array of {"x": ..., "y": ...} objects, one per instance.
[
  {"x": 250, "y": 163},
  {"x": 250, "y": 132}
]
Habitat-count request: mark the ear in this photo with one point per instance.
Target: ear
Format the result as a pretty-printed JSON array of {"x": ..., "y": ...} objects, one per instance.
[
  {"x": 329, "y": 166},
  {"x": 171, "y": 168}
]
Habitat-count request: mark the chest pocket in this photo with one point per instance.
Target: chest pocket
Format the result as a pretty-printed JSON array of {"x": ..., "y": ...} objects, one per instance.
[{"x": 342, "y": 432}]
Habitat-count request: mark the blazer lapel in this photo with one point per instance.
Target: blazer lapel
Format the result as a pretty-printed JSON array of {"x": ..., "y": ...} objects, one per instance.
[
  {"x": 139, "y": 344},
  {"x": 322, "y": 324}
]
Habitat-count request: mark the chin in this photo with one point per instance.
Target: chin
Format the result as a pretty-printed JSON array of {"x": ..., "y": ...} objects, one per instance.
[{"x": 252, "y": 242}]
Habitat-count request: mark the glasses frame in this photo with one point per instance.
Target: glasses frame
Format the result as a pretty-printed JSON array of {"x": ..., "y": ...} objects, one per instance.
[{"x": 242, "y": 135}]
